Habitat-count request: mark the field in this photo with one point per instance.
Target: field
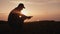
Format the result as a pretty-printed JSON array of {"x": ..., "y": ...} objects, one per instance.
[{"x": 36, "y": 27}]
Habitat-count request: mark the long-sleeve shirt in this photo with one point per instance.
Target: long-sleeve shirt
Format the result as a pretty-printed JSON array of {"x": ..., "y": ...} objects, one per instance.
[{"x": 16, "y": 17}]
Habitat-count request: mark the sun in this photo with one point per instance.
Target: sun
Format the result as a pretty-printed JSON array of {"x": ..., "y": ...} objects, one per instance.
[{"x": 24, "y": 11}]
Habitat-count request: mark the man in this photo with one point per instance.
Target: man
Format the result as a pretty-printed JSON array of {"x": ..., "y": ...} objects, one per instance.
[{"x": 16, "y": 18}]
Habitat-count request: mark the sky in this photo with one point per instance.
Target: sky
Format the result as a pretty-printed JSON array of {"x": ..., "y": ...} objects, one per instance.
[{"x": 39, "y": 9}]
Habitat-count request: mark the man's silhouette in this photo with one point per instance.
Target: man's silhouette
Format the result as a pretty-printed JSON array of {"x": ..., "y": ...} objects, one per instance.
[{"x": 16, "y": 18}]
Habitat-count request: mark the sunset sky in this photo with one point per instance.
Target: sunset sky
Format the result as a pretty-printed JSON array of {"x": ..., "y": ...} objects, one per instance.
[{"x": 39, "y": 9}]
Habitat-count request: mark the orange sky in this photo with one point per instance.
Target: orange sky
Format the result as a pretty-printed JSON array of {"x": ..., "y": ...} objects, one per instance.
[{"x": 39, "y": 9}]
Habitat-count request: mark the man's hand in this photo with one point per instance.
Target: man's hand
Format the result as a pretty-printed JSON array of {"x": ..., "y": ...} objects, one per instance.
[{"x": 29, "y": 17}]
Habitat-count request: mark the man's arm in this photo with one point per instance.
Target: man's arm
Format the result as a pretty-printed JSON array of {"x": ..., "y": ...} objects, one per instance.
[{"x": 24, "y": 16}]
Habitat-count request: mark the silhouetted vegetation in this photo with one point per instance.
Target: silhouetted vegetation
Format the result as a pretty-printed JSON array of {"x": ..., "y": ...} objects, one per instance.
[{"x": 37, "y": 27}]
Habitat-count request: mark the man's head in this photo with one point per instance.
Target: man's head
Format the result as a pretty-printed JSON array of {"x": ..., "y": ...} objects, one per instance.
[{"x": 21, "y": 6}]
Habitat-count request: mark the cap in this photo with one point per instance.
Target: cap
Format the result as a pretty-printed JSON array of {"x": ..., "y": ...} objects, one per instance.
[{"x": 21, "y": 5}]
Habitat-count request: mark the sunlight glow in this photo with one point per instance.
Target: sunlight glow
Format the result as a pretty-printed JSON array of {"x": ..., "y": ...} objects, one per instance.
[{"x": 24, "y": 11}]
